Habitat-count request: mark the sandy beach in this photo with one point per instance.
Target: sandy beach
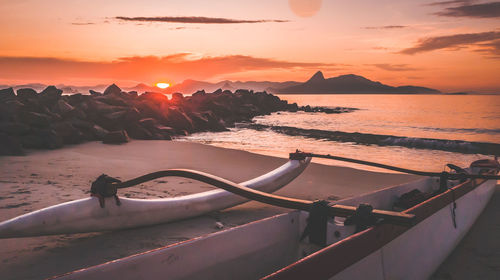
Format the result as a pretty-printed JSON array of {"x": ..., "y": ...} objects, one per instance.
[{"x": 45, "y": 178}]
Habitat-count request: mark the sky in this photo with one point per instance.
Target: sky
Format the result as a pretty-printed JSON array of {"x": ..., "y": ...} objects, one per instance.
[{"x": 447, "y": 45}]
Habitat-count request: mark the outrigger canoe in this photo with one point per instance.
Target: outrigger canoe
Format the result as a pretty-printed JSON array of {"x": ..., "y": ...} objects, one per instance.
[
  {"x": 286, "y": 246},
  {"x": 86, "y": 215},
  {"x": 400, "y": 232}
]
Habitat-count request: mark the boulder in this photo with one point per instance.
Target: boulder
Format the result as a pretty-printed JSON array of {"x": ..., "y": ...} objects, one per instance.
[
  {"x": 177, "y": 98},
  {"x": 35, "y": 119},
  {"x": 116, "y": 116},
  {"x": 178, "y": 119},
  {"x": 7, "y": 94},
  {"x": 68, "y": 133},
  {"x": 148, "y": 123},
  {"x": 155, "y": 97},
  {"x": 165, "y": 129},
  {"x": 242, "y": 91},
  {"x": 116, "y": 137},
  {"x": 200, "y": 122},
  {"x": 199, "y": 92},
  {"x": 132, "y": 115},
  {"x": 86, "y": 128},
  {"x": 94, "y": 93},
  {"x": 99, "y": 132},
  {"x": 51, "y": 92},
  {"x": 13, "y": 128},
  {"x": 42, "y": 139},
  {"x": 9, "y": 110},
  {"x": 112, "y": 99},
  {"x": 10, "y": 146},
  {"x": 26, "y": 93},
  {"x": 77, "y": 99},
  {"x": 292, "y": 107},
  {"x": 149, "y": 109},
  {"x": 63, "y": 107},
  {"x": 164, "y": 132},
  {"x": 103, "y": 108},
  {"x": 112, "y": 89},
  {"x": 136, "y": 131}
]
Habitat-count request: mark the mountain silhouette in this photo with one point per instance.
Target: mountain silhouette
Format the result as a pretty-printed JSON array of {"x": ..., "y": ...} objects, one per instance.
[{"x": 350, "y": 83}]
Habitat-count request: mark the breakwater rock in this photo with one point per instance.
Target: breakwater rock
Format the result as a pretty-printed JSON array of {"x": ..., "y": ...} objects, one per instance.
[{"x": 50, "y": 120}]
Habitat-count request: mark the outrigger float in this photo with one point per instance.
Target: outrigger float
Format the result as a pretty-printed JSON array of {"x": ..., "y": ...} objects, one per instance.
[{"x": 400, "y": 232}]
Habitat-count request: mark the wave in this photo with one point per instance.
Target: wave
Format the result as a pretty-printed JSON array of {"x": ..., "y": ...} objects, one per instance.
[
  {"x": 458, "y": 146},
  {"x": 460, "y": 130}
]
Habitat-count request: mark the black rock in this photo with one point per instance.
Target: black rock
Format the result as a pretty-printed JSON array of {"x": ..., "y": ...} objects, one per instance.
[
  {"x": 94, "y": 93},
  {"x": 156, "y": 97},
  {"x": 10, "y": 146},
  {"x": 35, "y": 119},
  {"x": 7, "y": 94},
  {"x": 99, "y": 132},
  {"x": 164, "y": 132},
  {"x": 112, "y": 89},
  {"x": 178, "y": 119},
  {"x": 26, "y": 93},
  {"x": 177, "y": 98},
  {"x": 77, "y": 99},
  {"x": 199, "y": 93},
  {"x": 148, "y": 123},
  {"x": 42, "y": 139},
  {"x": 62, "y": 107},
  {"x": 12, "y": 128},
  {"x": 116, "y": 137},
  {"x": 136, "y": 131},
  {"x": 51, "y": 92},
  {"x": 68, "y": 133},
  {"x": 112, "y": 99}
]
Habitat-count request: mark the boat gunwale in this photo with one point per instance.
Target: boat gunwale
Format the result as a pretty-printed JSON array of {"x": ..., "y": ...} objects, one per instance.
[
  {"x": 336, "y": 257},
  {"x": 179, "y": 243}
]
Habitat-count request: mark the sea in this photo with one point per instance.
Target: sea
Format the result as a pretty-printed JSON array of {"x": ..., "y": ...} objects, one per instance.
[{"x": 422, "y": 132}]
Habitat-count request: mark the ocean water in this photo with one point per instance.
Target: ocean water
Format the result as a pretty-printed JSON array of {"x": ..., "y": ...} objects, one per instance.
[{"x": 423, "y": 132}]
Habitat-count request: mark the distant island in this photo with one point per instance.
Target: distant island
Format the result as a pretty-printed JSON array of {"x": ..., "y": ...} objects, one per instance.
[{"x": 350, "y": 84}]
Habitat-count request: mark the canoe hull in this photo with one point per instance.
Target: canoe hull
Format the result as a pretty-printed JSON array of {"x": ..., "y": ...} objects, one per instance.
[
  {"x": 418, "y": 252},
  {"x": 86, "y": 215},
  {"x": 234, "y": 253}
]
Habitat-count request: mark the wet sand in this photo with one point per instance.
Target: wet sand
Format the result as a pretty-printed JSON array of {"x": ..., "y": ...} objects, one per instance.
[
  {"x": 478, "y": 254},
  {"x": 45, "y": 178}
]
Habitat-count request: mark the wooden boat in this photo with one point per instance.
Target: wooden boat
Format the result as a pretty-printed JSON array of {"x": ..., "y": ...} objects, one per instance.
[
  {"x": 86, "y": 215},
  {"x": 274, "y": 248}
]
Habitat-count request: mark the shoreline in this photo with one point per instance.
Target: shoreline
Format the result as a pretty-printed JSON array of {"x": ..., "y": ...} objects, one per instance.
[{"x": 44, "y": 178}]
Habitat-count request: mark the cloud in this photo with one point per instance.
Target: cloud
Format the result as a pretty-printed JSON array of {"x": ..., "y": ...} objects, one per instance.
[
  {"x": 456, "y": 41},
  {"x": 491, "y": 49},
  {"x": 483, "y": 10},
  {"x": 202, "y": 20},
  {"x": 177, "y": 67},
  {"x": 82, "y": 23},
  {"x": 386, "y": 27},
  {"x": 444, "y": 3},
  {"x": 394, "y": 67}
]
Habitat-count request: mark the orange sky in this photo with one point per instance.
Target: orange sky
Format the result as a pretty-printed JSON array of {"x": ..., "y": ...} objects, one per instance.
[{"x": 448, "y": 45}]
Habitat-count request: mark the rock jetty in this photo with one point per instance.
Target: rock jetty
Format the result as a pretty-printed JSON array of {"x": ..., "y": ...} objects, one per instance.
[{"x": 50, "y": 120}]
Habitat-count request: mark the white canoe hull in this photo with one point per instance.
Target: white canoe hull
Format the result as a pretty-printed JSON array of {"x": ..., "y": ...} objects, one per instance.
[
  {"x": 258, "y": 249},
  {"x": 418, "y": 252},
  {"x": 86, "y": 215}
]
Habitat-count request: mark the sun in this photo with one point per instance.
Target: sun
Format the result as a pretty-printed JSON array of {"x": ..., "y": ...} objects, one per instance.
[{"x": 162, "y": 85}]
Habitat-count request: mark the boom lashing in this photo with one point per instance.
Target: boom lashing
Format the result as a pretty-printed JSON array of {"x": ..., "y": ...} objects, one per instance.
[
  {"x": 363, "y": 218},
  {"x": 105, "y": 186},
  {"x": 316, "y": 227}
]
